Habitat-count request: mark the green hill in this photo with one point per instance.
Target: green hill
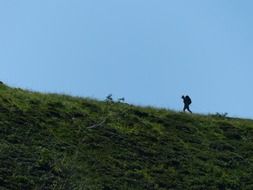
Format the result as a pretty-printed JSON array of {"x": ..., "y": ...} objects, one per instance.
[{"x": 50, "y": 141}]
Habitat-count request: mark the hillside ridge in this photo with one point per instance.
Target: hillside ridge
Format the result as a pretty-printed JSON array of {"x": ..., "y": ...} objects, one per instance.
[{"x": 53, "y": 141}]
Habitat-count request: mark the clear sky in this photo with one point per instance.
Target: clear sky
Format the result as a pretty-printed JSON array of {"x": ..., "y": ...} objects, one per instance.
[{"x": 149, "y": 51}]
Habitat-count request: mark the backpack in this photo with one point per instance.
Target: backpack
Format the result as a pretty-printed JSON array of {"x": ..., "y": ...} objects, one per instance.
[{"x": 188, "y": 100}]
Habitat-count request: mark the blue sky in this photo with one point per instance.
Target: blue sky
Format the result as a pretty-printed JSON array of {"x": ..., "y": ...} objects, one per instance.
[{"x": 150, "y": 52}]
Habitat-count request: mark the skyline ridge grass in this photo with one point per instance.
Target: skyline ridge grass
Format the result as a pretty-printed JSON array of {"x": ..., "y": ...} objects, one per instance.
[{"x": 53, "y": 141}]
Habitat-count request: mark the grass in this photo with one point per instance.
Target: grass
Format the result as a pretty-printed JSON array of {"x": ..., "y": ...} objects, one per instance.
[{"x": 47, "y": 142}]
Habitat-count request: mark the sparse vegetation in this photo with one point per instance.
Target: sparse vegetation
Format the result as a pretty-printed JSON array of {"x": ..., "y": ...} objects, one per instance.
[
  {"x": 220, "y": 115},
  {"x": 61, "y": 142},
  {"x": 109, "y": 98}
]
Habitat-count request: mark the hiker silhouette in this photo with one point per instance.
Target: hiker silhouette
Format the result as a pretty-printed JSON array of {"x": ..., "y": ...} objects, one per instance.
[{"x": 187, "y": 102}]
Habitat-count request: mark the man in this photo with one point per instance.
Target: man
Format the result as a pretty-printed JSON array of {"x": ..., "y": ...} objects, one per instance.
[{"x": 187, "y": 102}]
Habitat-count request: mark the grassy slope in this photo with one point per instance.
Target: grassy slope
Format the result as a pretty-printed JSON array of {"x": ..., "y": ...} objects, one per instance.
[{"x": 45, "y": 143}]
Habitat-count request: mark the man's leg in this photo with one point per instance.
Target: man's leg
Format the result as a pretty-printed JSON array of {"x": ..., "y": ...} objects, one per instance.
[
  {"x": 185, "y": 107},
  {"x": 188, "y": 108}
]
